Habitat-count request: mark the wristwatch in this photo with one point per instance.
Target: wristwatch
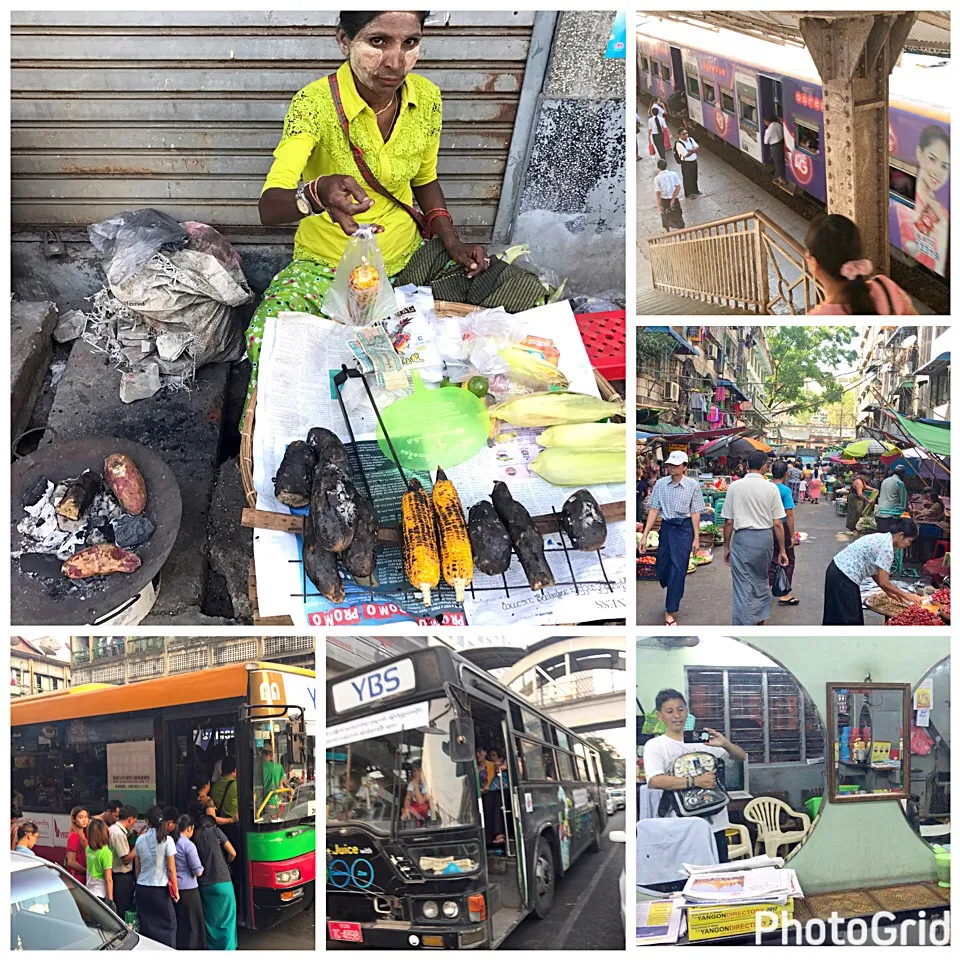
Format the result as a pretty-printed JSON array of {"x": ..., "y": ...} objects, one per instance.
[{"x": 303, "y": 202}]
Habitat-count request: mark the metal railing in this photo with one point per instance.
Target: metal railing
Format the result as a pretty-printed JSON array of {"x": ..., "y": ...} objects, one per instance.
[{"x": 745, "y": 262}]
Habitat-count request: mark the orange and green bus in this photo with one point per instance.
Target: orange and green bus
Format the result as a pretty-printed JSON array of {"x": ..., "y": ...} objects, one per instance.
[{"x": 145, "y": 743}]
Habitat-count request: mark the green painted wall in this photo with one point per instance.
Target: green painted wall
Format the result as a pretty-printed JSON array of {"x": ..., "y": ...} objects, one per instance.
[{"x": 851, "y": 845}]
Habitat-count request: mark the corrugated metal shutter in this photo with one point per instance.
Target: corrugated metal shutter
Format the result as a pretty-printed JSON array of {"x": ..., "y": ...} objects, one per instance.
[{"x": 181, "y": 111}]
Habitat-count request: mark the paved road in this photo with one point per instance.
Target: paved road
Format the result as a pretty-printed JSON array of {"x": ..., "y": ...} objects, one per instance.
[
  {"x": 586, "y": 907},
  {"x": 298, "y": 933},
  {"x": 707, "y": 599}
]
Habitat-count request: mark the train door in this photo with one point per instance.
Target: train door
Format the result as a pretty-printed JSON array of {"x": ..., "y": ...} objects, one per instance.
[
  {"x": 748, "y": 115},
  {"x": 676, "y": 59},
  {"x": 770, "y": 94},
  {"x": 691, "y": 75}
]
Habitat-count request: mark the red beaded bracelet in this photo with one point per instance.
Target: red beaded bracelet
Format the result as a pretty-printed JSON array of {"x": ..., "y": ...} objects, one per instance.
[{"x": 438, "y": 212}]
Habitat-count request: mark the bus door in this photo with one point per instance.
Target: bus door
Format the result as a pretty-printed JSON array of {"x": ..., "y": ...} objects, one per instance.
[
  {"x": 770, "y": 93},
  {"x": 748, "y": 115}
]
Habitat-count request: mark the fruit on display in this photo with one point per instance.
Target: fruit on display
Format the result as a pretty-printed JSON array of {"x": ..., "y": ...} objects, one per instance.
[{"x": 915, "y": 616}]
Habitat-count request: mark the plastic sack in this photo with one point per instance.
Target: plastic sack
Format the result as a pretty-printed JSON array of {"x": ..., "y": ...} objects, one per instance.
[
  {"x": 360, "y": 294},
  {"x": 921, "y": 743},
  {"x": 781, "y": 582},
  {"x": 131, "y": 239}
]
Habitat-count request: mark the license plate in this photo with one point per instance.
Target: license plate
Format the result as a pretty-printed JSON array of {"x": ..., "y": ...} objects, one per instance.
[{"x": 351, "y": 932}]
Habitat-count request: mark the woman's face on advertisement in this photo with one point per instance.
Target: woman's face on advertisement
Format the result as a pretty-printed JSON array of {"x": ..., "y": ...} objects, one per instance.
[
  {"x": 384, "y": 51},
  {"x": 934, "y": 163}
]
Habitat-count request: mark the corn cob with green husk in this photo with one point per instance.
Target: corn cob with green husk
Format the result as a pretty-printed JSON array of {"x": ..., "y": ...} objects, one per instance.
[
  {"x": 530, "y": 367},
  {"x": 555, "y": 407},
  {"x": 456, "y": 557},
  {"x": 421, "y": 560},
  {"x": 570, "y": 467},
  {"x": 586, "y": 436}
]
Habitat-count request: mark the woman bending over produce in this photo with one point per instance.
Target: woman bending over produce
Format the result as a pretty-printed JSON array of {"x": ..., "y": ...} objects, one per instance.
[{"x": 394, "y": 118}]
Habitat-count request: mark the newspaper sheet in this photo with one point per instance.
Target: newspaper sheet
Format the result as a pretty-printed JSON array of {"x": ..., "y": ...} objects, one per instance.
[{"x": 659, "y": 921}]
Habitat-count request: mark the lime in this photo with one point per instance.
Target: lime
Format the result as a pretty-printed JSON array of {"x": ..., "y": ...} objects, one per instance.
[{"x": 478, "y": 386}]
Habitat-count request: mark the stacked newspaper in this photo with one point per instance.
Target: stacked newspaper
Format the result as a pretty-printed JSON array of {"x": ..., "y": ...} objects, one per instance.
[{"x": 729, "y": 887}]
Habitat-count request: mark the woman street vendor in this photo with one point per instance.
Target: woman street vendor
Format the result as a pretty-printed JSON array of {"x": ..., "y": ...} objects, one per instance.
[{"x": 318, "y": 178}]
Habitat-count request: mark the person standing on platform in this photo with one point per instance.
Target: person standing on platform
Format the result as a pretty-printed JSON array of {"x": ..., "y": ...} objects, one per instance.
[
  {"x": 773, "y": 138},
  {"x": 655, "y": 127},
  {"x": 686, "y": 151},
  {"x": 892, "y": 501},
  {"x": 677, "y": 500},
  {"x": 667, "y": 187}
]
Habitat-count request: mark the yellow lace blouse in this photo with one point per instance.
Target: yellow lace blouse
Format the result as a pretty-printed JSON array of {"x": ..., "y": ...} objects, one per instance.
[{"x": 313, "y": 145}]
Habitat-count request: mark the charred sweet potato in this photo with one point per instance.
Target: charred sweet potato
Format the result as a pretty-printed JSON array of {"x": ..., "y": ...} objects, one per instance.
[
  {"x": 527, "y": 539},
  {"x": 78, "y": 496},
  {"x": 582, "y": 521},
  {"x": 489, "y": 539},
  {"x": 360, "y": 558},
  {"x": 328, "y": 448},
  {"x": 126, "y": 481},
  {"x": 100, "y": 560},
  {"x": 294, "y": 479},
  {"x": 333, "y": 509},
  {"x": 321, "y": 567}
]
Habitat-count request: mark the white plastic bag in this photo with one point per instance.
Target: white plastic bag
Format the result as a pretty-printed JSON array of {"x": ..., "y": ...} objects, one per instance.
[{"x": 360, "y": 294}]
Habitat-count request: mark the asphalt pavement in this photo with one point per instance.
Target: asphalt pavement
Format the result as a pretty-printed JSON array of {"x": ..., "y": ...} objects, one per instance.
[
  {"x": 297, "y": 933},
  {"x": 586, "y": 908},
  {"x": 708, "y": 597}
]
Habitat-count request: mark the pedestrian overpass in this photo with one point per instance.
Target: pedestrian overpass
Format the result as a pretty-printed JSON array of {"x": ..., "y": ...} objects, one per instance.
[{"x": 581, "y": 681}]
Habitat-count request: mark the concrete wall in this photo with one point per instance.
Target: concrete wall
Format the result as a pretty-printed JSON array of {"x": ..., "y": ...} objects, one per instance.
[
  {"x": 851, "y": 845},
  {"x": 572, "y": 203}
]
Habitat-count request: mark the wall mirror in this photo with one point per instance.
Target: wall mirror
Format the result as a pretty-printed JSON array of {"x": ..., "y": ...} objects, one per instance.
[{"x": 868, "y": 723}]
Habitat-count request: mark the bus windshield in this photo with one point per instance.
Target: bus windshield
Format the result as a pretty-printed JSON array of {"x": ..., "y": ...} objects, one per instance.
[
  {"x": 284, "y": 788},
  {"x": 402, "y": 781}
]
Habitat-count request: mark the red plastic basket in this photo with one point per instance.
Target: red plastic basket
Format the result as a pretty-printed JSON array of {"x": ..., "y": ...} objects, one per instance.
[{"x": 604, "y": 336}]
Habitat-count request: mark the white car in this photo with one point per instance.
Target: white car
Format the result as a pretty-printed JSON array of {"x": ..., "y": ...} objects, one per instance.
[
  {"x": 620, "y": 836},
  {"x": 49, "y": 910},
  {"x": 619, "y": 796}
]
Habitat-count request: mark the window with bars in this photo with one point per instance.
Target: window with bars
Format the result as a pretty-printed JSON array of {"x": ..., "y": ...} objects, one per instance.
[{"x": 763, "y": 710}]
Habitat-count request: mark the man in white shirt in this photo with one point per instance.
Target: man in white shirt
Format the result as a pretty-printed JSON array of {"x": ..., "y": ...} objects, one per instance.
[
  {"x": 773, "y": 138},
  {"x": 686, "y": 149},
  {"x": 667, "y": 188},
  {"x": 751, "y": 510},
  {"x": 660, "y": 753},
  {"x": 123, "y": 857}
]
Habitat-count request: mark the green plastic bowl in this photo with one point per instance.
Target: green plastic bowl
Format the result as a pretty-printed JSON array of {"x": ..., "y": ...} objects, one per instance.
[
  {"x": 434, "y": 428},
  {"x": 941, "y": 859}
]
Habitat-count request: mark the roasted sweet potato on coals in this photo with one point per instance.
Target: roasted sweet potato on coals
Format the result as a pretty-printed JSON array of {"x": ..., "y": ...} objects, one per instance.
[
  {"x": 100, "y": 560},
  {"x": 489, "y": 539},
  {"x": 78, "y": 496},
  {"x": 527, "y": 539},
  {"x": 294, "y": 479},
  {"x": 328, "y": 448},
  {"x": 333, "y": 509},
  {"x": 321, "y": 567},
  {"x": 126, "y": 481},
  {"x": 582, "y": 521},
  {"x": 360, "y": 558}
]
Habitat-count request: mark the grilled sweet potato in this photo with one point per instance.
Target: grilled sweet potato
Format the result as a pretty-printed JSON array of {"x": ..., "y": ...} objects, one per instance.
[
  {"x": 78, "y": 496},
  {"x": 360, "y": 558},
  {"x": 126, "y": 482},
  {"x": 321, "y": 567},
  {"x": 527, "y": 539},
  {"x": 294, "y": 478},
  {"x": 582, "y": 521},
  {"x": 100, "y": 560},
  {"x": 333, "y": 509},
  {"x": 489, "y": 539},
  {"x": 328, "y": 448}
]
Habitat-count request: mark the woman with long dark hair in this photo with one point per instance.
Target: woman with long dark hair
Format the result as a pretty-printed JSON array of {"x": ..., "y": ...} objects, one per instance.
[
  {"x": 216, "y": 887},
  {"x": 392, "y": 116},
  {"x": 100, "y": 862},
  {"x": 76, "y": 862},
  {"x": 191, "y": 933},
  {"x": 157, "y": 887},
  {"x": 834, "y": 255}
]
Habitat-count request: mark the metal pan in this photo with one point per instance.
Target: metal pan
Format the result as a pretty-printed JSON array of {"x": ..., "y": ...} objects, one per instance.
[{"x": 49, "y": 600}]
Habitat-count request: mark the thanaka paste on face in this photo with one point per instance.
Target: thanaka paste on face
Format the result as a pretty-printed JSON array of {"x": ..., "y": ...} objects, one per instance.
[{"x": 366, "y": 59}]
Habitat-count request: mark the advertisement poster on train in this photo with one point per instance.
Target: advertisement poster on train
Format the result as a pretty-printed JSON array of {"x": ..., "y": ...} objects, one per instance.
[
  {"x": 919, "y": 191},
  {"x": 749, "y": 120},
  {"x": 803, "y": 135},
  {"x": 694, "y": 106}
]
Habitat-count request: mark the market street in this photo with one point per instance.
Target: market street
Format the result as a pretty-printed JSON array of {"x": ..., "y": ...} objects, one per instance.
[
  {"x": 586, "y": 906},
  {"x": 707, "y": 597}
]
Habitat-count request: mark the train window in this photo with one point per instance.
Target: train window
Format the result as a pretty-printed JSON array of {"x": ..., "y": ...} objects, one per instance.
[
  {"x": 808, "y": 138},
  {"x": 903, "y": 185},
  {"x": 665, "y": 72},
  {"x": 645, "y": 64},
  {"x": 726, "y": 101},
  {"x": 566, "y": 765},
  {"x": 655, "y": 68},
  {"x": 748, "y": 112},
  {"x": 709, "y": 92},
  {"x": 693, "y": 87}
]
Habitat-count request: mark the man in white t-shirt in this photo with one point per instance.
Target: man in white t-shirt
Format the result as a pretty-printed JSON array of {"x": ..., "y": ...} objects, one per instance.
[
  {"x": 123, "y": 857},
  {"x": 773, "y": 138},
  {"x": 667, "y": 186},
  {"x": 660, "y": 753}
]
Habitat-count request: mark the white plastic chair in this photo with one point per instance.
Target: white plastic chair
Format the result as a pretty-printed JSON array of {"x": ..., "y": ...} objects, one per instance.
[
  {"x": 765, "y": 813},
  {"x": 740, "y": 848}
]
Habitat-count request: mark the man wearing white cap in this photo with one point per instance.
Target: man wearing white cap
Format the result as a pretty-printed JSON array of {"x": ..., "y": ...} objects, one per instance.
[{"x": 677, "y": 500}]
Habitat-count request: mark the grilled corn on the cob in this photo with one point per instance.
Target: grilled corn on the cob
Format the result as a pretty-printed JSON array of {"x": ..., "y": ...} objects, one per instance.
[
  {"x": 421, "y": 560},
  {"x": 456, "y": 557},
  {"x": 555, "y": 407}
]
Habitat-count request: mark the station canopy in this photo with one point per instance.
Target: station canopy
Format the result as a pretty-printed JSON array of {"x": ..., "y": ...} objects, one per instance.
[{"x": 929, "y": 35}]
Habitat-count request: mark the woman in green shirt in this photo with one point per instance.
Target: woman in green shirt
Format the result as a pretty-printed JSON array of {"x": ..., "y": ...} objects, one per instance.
[{"x": 100, "y": 861}]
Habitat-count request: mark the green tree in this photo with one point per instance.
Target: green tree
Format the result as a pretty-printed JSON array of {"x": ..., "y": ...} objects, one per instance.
[
  {"x": 612, "y": 764},
  {"x": 843, "y": 413},
  {"x": 802, "y": 356}
]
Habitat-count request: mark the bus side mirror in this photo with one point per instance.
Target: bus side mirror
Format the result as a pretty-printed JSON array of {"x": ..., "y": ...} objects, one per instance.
[{"x": 462, "y": 741}]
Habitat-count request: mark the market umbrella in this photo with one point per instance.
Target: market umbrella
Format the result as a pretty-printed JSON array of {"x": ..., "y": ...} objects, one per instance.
[
  {"x": 732, "y": 447},
  {"x": 867, "y": 448}
]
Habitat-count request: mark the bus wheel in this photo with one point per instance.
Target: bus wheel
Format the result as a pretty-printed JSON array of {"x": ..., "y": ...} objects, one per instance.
[
  {"x": 595, "y": 839},
  {"x": 545, "y": 877}
]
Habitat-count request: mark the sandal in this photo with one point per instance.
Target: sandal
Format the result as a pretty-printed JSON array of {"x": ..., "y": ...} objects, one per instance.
[
  {"x": 670, "y": 621},
  {"x": 792, "y": 602}
]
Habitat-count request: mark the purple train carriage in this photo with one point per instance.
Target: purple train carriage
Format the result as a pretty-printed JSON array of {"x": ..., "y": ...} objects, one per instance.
[{"x": 732, "y": 81}]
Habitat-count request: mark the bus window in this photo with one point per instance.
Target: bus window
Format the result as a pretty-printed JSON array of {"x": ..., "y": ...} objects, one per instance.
[
  {"x": 903, "y": 185},
  {"x": 532, "y": 760},
  {"x": 709, "y": 92},
  {"x": 582, "y": 770},
  {"x": 655, "y": 67},
  {"x": 693, "y": 87},
  {"x": 282, "y": 789},
  {"x": 665, "y": 72},
  {"x": 529, "y": 723},
  {"x": 549, "y": 764},
  {"x": 726, "y": 102},
  {"x": 563, "y": 740},
  {"x": 808, "y": 138},
  {"x": 566, "y": 765},
  {"x": 645, "y": 64}
]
